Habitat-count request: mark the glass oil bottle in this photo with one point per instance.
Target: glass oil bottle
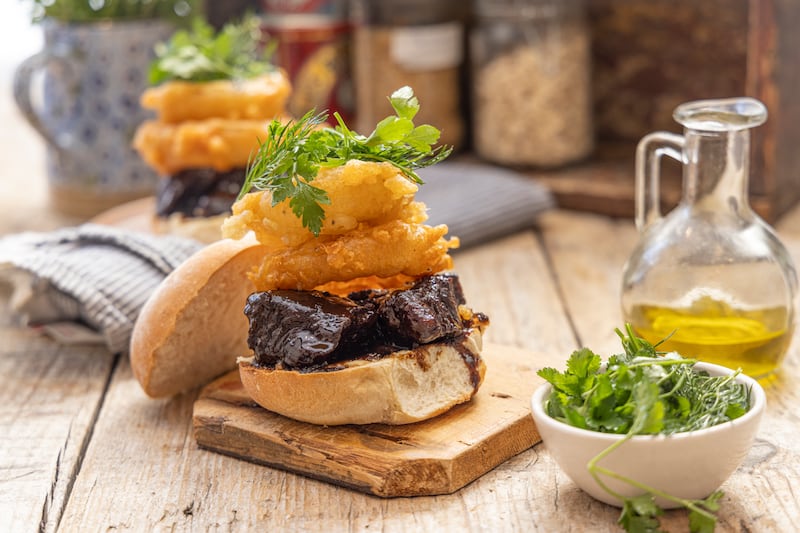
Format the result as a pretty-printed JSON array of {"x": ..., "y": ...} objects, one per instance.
[{"x": 710, "y": 276}]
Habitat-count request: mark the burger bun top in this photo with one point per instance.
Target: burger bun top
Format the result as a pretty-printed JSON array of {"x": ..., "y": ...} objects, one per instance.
[{"x": 192, "y": 328}]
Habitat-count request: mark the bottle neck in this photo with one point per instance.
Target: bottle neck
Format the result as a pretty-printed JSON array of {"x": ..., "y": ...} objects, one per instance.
[{"x": 716, "y": 171}]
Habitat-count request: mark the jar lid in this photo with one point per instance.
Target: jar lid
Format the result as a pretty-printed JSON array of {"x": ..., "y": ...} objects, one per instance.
[
  {"x": 526, "y": 9},
  {"x": 407, "y": 12},
  {"x": 332, "y": 9}
]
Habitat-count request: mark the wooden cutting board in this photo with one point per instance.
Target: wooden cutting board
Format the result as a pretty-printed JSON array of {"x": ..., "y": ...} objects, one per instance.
[
  {"x": 136, "y": 215},
  {"x": 437, "y": 456}
]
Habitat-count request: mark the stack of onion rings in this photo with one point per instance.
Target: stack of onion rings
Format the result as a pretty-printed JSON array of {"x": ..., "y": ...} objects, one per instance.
[
  {"x": 214, "y": 124},
  {"x": 373, "y": 234}
]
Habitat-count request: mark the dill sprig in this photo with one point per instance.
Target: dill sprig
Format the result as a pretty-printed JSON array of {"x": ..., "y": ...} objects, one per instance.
[
  {"x": 284, "y": 165},
  {"x": 290, "y": 157}
]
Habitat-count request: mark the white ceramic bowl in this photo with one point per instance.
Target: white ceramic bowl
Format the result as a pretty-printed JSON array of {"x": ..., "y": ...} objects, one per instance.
[{"x": 689, "y": 465}]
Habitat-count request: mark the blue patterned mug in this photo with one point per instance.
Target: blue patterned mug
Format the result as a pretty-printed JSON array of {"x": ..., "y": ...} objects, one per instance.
[{"x": 89, "y": 110}]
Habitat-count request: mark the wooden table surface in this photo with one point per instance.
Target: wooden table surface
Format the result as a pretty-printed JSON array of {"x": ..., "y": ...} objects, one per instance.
[{"x": 83, "y": 449}]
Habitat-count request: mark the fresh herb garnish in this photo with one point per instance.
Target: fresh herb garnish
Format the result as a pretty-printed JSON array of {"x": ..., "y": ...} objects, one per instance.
[
  {"x": 643, "y": 392},
  {"x": 203, "y": 55},
  {"x": 290, "y": 157},
  {"x": 82, "y": 11}
]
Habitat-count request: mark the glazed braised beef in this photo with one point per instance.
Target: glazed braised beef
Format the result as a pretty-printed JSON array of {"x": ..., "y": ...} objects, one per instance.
[
  {"x": 301, "y": 328},
  {"x": 199, "y": 192},
  {"x": 308, "y": 330},
  {"x": 426, "y": 312}
]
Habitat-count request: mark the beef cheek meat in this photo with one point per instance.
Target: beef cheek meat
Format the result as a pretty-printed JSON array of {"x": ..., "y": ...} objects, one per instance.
[
  {"x": 306, "y": 330},
  {"x": 199, "y": 192},
  {"x": 426, "y": 312},
  {"x": 303, "y": 329}
]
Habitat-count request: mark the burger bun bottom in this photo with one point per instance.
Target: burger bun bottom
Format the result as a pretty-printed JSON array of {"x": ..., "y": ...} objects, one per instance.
[
  {"x": 204, "y": 229},
  {"x": 404, "y": 387}
]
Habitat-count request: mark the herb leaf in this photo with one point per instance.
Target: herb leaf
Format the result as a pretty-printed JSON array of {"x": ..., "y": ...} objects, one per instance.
[
  {"x": 201, "y": 55},
  {"x": 422, "y": 137},
  {"x": 92, "y": 11},
  {"x": 391, "y": 129},
  {"x": 701, "y": 522},
  {"x": 405, "y": 103},
  {"x": 648, "y": 410},
  {"x": 290, "y": 157},
  {"x": 640, "y": 514},
  {"x": 306, "y": 204}
]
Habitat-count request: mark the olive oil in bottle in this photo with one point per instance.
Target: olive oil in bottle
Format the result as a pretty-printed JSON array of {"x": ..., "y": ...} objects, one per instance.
[
  {"x": 753, "y": 340},
  {"x": 710, "y": 275}
]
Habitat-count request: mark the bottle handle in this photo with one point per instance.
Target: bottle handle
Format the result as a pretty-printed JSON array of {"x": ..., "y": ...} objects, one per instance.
[
  {"x": 648, "y": 173},
  {"x": 22, "y": 87}
]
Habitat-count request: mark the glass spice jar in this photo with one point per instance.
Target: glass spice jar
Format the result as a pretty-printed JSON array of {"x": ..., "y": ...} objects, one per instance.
[
  {"x": 531, "y": 86},
  {"x": 418, "y": 43}
]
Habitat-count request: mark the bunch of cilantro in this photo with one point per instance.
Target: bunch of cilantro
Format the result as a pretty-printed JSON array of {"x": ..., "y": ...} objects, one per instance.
[
  {"x": 202, "y": 54},
  {"x": 643, "y": 392},
  {"x": 290, "y": 157}
]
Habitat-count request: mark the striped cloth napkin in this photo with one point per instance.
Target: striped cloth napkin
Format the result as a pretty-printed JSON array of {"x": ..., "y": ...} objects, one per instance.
[
  {"x": 96, "y": 275},
  {"x": 481, "y": 202}
]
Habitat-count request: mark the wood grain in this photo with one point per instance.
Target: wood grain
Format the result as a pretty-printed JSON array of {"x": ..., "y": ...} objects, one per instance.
[
  {"x": 511, "y": 280},
  {"x": 590, "y": 287},
  {"x": 117, "y": 460},
  {"x": 142, "y": 453},
  {"x": 436, "y": 456},
  {"x": 49, "y": 399}
]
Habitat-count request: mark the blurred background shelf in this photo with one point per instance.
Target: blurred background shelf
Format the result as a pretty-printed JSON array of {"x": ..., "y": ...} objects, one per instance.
[
  {"x": 648, "y": 56},
  {"x": 651, "y": 55}
]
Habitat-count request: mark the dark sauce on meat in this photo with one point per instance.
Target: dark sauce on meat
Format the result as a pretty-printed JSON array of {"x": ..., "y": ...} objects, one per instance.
[
  {"x": 316, "y": 331},
  {"x": 199, "y": 192},
  {"x": 471, "y": 362},
  {"x": 305, "y": 328}
]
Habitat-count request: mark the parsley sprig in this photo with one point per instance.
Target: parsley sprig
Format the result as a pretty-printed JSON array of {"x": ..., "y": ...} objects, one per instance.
[
  {"x": 643, "y": 392},
  {"x": 201, "y": 54},
  {"x": 290, "y": 157}
]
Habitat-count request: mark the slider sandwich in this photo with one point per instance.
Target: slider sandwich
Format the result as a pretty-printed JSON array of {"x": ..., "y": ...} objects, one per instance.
[
  {"x": 351, "y": 311},
  {"x": 213, "y": 104}
]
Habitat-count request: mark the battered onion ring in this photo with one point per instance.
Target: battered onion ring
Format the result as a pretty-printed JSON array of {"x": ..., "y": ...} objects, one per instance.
[
  {"x": 373, "y": 235},
  {"x": 359, "y": 192},
  {"x": 220, "y": 144},
  {"x": 258, "y": 98},
  {"x": 386, "y": 250}
]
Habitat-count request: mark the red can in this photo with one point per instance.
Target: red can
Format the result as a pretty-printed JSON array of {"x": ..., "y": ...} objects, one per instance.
[{"x": 312, "y": 40}]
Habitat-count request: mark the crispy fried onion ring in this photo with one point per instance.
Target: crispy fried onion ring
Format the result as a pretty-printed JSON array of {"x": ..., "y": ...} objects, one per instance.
[
  {"x": 216, "y": 143},
  {"x": 393, "y": 248},
  {"x": 384, "y": 243},
  {"x": 260, "y": 98},
  {"x": 359, "y": 192}
]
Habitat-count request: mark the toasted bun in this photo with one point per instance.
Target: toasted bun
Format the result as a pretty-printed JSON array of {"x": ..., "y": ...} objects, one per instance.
[
  {"x": 192, "y": 327},
  {"x": 406, "y": 386},
  {"x": 203, "y": 229}
]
